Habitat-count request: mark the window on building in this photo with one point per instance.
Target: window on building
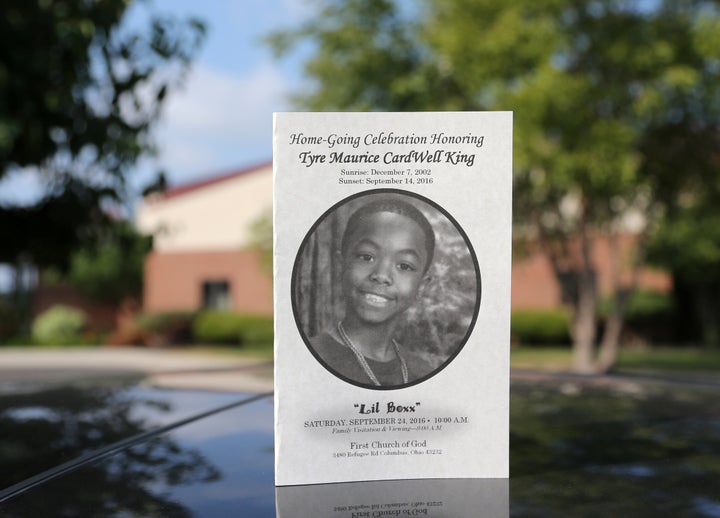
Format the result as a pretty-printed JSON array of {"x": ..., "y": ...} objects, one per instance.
[{"x": 216, "y": 295}]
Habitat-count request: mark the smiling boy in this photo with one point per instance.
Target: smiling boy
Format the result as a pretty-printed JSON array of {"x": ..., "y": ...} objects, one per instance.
[{"x": 386, "y": 250}]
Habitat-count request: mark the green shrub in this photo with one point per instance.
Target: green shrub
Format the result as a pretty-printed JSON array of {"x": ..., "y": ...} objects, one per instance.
[
  {"x": 217, "y": 327},
  {"x": 224, "y": 327},
  {"x": 158, "y": 322},
  {"x": 642, "y": 305},
  {"x": 547, "y": 326},
  {"x": 170, "y": 328},
  {"x": 257, "y": 330},
  {"x": 646, "y": 304},
  {"x": 649, "y": 317},
  {"x": 59, "y": 325}
]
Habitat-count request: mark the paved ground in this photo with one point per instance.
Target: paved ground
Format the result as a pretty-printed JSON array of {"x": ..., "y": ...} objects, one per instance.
[
  {"x": 159, "y": 367},
  {"x": 204, "y": 370}
]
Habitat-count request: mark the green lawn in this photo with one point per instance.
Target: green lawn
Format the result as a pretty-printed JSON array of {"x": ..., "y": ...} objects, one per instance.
[
  {"x": 677, "y": 360},
  {"x": 671, "y": 359},
  {"x": 544, "y": 358},
  {"x": 656, "y": 359}
]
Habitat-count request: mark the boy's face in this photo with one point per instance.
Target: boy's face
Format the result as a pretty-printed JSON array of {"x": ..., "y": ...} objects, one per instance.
[{"x": 383, "y": 267}]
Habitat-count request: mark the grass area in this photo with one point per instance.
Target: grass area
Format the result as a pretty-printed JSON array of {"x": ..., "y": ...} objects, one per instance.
[
  {"x": 543, "y": 358},
  {"x": 656, "y": 359},
  {"x": 678, "y": 360},
  {"x": 670, "y": 359}
]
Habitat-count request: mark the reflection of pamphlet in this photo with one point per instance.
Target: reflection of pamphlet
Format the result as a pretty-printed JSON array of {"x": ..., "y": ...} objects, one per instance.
[
  {"x": 426, "y": 498},
  {"x": 392, "y": 295}
]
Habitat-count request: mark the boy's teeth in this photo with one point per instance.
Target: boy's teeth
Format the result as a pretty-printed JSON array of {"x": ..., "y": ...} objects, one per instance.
[{"x": 376, "y": 299}]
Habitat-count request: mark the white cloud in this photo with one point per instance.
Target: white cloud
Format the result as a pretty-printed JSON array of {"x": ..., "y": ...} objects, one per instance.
[
  {"x": 297, "y": 10},
  {"x": 220, "y": 119}
]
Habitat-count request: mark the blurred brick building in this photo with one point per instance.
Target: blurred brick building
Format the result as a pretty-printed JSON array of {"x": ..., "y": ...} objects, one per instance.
[{"x": 201, "y": 255}]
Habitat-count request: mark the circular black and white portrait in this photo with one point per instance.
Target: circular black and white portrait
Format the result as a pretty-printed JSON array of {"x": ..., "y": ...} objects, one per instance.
[{"x": 385, "y": 289}]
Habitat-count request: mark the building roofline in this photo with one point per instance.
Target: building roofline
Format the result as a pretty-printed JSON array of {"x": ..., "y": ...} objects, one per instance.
[{"x": 190, "y": 187}]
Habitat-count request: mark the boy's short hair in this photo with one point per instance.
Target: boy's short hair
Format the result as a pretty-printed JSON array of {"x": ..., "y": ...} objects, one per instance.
[{"x": 395, "y": 205}]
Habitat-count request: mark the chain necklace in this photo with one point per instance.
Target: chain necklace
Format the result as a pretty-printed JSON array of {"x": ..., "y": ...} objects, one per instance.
[{"x": 363, "y": 362}]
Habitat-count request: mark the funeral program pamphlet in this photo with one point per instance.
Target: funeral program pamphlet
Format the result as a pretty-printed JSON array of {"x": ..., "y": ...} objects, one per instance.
[{"x": 392, "y": 256}]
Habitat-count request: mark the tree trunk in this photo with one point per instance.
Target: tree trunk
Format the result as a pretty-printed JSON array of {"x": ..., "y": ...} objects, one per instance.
[
  {"x": 21, "y": 294},
  {"x": 585, "y": 315},
  {"x": 584, "y": 324},
  {"x": 610, "y": 344},
  {"x": 707, "y": 295}
]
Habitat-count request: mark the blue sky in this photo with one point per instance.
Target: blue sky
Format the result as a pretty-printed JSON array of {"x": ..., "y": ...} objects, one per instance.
[{"x": 221, "y": 119}]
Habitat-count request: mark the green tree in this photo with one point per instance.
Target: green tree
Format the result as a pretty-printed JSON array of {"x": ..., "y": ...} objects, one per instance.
[
  {"x": 110, "y": 269},
  {"x": 261, "y": 239},
  {"x": 81, "y": 91},
  {"x": 689, "y": 246},
  {"x": 685, "y": 165},
  {"x": 591, "y": 83}
]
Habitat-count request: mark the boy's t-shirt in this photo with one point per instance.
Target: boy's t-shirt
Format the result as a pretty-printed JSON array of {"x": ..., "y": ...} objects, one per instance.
[{"x": 342, "y": 360}]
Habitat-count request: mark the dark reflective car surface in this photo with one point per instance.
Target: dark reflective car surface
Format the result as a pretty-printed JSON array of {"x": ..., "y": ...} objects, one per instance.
[
  {"x": 138, "y": 451},
  {"x": 595, "y": 447},
  {"x": 579, "y": 447},
  {"x": 44, "y": 426}
]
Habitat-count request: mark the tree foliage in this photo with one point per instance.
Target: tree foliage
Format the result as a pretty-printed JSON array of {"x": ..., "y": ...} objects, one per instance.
[
  {"x": 261, "y": 239},
  {"x": 599, "y": 89},
  {"x": 80, "y": 93},
  {"x": 689, "y": 246},
  {"x": 111, "y": 268}
]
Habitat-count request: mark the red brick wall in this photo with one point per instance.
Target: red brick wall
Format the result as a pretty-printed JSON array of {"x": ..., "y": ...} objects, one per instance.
[
  {"x": 534, "y": 285},
  {"x": 173, "y": 280}
]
